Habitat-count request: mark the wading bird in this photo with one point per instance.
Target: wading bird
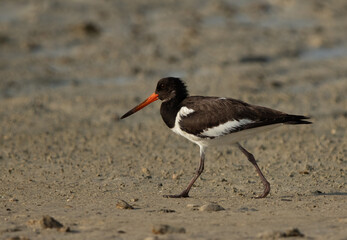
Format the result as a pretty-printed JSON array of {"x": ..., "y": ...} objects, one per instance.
[{"x": 213, "y": 121}]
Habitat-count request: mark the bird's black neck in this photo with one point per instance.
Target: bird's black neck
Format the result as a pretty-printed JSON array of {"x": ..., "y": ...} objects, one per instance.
[{"x": 169, "y": 110}]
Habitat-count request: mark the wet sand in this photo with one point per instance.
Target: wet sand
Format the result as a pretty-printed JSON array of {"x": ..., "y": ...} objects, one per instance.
[{"x": 70, "y": 69}]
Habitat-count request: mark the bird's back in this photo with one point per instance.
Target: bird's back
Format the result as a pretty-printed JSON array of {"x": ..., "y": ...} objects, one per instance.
[{"x": 227, "y": 115}]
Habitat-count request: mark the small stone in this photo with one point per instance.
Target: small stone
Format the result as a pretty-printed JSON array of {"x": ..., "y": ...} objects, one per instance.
[
  {"x": 194, "y": 207},
  {"x": 134, "y": 199},
  {"x": 18, "y": 238},
  {"x": 12, "y": 229},
  {"x": 317, "y": 192},
  {"x": 32, "y": 222},
  {"x": 304, "y": 172},
  {"x": 164, "y": 210},
  {"x": 151, "y": 238},
  {"x": 64, "y": 229},
  {"x": 146, "y": 173},
  {"x": 309, "y": 167},
  {"x": 246, "y": 209},
  {"x": 269, "y": 235},
  {"x": 123, "y": 205},
  {"x": 13, "y": 200},
  {"x": 294, "y": 232},
  {"x": 163, "y": 229},
  {"x": 49, "y": 222},
  {"x": 89, "y": 29},
  {"x": 175, "y": 176},
  {"x": 191, "y": 205},
  {"x": 211, "y": 207},
  {"x": 255, "y": 59},
  {"x": 276, "y": 84}
]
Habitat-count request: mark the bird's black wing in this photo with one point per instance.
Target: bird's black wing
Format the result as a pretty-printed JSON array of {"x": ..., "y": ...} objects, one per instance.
[{"x": 210, "y": 112}]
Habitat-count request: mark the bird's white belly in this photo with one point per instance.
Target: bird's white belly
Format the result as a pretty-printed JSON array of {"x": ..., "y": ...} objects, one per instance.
[
  {"x": 241, "y": 135},
  {"x": 226, "y": 139},
  {"x": 203, "y": 142}
]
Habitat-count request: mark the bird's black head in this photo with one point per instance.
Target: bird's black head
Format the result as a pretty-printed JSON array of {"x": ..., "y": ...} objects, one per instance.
[
  {"x": 168, "y": 89},
  {"x": 171, "y": 88}
]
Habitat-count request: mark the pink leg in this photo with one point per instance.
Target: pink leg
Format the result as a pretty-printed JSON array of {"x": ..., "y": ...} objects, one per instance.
[
  {"x": 263, "y": 179},
  {"x": 185, "y": 192}
]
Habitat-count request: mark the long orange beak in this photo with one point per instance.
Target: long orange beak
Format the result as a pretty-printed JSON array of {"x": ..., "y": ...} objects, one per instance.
[{"x": 150, "y": 99}]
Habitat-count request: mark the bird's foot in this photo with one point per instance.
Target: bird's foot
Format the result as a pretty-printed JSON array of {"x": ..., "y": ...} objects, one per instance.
[
  {"x": 183, "y": 194},
  {"x": 259, "y": 196},
  {"x": 266, "y": 191}
]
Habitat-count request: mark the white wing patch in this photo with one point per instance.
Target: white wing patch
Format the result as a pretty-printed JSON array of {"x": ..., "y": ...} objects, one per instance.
[
  {"x": 224, "y": 128},
  {"x": 184, "y": 111}
]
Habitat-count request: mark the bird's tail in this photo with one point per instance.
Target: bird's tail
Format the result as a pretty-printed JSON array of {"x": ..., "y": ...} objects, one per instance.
[{"x": 296, "y": 119}]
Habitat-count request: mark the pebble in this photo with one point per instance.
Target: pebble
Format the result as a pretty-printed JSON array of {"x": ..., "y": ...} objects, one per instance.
[
  {"x": 317, "y": 192},
  {"x": 294, "y": 232},
  {"x": 89, "y": 29},
  {"x": 146, "y": 172},
  {"x": 18, "y": 238},
  {"x": 304, "y": 172},
  {"x": 164, "y": 210},
  {"x": 286, "y": 200},
  {"x": 164, "y": 229},
  {"x": 121, "y": 204},
  {"x": 151, "y": 238},
  {"x": 193, "y": 207},
  {"x": 175, "y": 176},
  {"x": 12, "y": 229},
  {"x": 48, "y": 222},
  {"x": 211, "y": 207},
  {"x": 309, "y": 168},
  {"x": 270, "y": 235},
  {"x": 246, "y": 209}
]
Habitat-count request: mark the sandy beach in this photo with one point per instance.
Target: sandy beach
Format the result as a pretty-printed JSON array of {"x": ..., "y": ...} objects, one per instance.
[{"x": 70, "y": 69}]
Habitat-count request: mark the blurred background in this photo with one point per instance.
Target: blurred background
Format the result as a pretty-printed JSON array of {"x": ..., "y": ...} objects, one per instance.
[{"x": 54, "y": 44}]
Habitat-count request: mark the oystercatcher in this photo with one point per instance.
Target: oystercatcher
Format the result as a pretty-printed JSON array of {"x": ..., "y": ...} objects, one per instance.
[{"x": 209, "y": 121}]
